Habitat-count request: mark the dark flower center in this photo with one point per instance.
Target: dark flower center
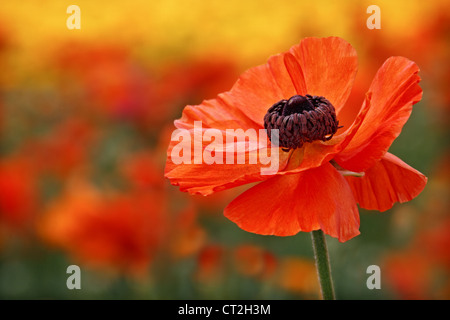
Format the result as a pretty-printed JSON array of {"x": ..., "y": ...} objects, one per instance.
[{"x": 301, "y": 119}]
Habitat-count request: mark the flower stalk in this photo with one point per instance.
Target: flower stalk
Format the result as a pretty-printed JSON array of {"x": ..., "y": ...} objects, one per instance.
[{"x": 323, "y": 264}]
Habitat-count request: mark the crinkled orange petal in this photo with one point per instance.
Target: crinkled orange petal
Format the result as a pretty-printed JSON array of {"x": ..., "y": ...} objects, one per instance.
[
  {"x": 319, "y": 198},
  {"x": 328, "y": 67},
  {"x": 390, "y": 180},
  {"x": 203, "y": 178},
  {"x": 392, "y": 94},
  {"x": 219, "y": 113}
]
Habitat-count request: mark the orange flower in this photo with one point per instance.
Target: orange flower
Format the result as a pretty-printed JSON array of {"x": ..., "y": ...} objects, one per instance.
[
  {"x": 210, "y": 264},
  {"x": 114, "y": 83},
  {"x": 142, "y": 170},
  {"x": 117, "y": 233},
  {"x": 421, "y": 270},
  {"x": 251, "y": 260},
  {"x": 187, "y": 237},
  {"x": 298, "y": 275},
  {"x": 57, "y": 153},
  {"x": 18, "y": 192},
  {"x": 311, "y": 189},
  {"x": 183, "y": 82},
  {"x": 409, "y": 274}
]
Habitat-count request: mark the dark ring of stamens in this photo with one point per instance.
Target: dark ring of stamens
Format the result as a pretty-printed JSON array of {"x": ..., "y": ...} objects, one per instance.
[{"x": 301, "y": 119}]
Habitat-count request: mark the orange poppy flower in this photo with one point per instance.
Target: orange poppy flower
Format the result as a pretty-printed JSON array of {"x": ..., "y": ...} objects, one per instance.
[
  {"x": 210, "y": 264},
  {"x": 254, "y": 261},
  {"x": 408, "y": 274},
  {"x": 298, "y": 275},
  {"x": 18, "y": 192},
  {"x": 187, "y": 237},
  {"x": 118, "y": 233},
  {"x": 142, "y": 170},
  {"x": 114, "y": 83},
  {"x": 307, "y": 87},
  {"x": 60, "y": 141},
  {"x": 421, "y": 270}
]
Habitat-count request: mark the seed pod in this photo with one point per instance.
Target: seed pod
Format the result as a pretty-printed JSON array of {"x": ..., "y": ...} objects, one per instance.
[{"x": 301, "y": 119}]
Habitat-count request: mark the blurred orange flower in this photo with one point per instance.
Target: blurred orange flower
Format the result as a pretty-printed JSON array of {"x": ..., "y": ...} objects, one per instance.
[
  {"x": 187, "y": 237},
  {"x": 421, "y": 270},
  {"x": 436, "y": 240},
  {"x": 413, "y": 275},
  {"x": 18, "y": 192},
  {"x": 312, "y": 188},
  {"x": 121, "y": 233},
  {"x": 142, "y": 169},
  {"x": 254, "y": 261},
  {"x": 114, "y": 84},
  {"x": 210, "y": 264},
  {"x": 196, "y": 78},
  {"x": 64, "y": 149},
  {"x": 183, "y": 82},
  {"x": 298, "y": 275},
  {"x": 426, "y": 42}
]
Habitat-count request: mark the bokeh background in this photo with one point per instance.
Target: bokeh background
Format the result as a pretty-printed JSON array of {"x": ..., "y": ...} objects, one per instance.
[{"x": 86, "y": 116}]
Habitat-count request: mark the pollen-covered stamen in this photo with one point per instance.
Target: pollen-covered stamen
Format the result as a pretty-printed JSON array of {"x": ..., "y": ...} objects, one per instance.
[{"x": 301, "y": 119}]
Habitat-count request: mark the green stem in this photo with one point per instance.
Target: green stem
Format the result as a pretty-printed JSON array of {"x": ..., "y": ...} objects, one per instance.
[{"x": 323, "y": 264}]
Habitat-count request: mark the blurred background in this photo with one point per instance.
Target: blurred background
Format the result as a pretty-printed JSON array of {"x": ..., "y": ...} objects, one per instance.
[{"x": 85, "y": 120}]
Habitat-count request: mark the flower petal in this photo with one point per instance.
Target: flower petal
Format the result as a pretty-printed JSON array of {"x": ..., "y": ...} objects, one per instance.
[
  {"x": 328, "y": 66},
  {"x": 232, "y": 164},
  {"x": 217, "y": 113},
  {"x": 388, "y": 104},
  {"x": 295, "y": 74},
  {"x": 252, "y": 95},
  {"x": 390, "y": 180},
  {"x": 314, "y": 199}
]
